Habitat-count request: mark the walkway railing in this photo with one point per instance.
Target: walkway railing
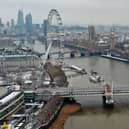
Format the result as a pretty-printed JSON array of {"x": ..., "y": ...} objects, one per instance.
[{"x": 76, "y": 92}]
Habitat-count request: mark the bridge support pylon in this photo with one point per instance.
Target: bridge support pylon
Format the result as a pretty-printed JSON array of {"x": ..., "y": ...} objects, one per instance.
[
  {"x": 104, "y": 100},
  {"x": 70, "y": 100},
  {"x": 82, "y": 54},
  {"x": 107, "y": 98},
  {"x": 105, "y": 103},
  {"x": 72, "y": 55}
]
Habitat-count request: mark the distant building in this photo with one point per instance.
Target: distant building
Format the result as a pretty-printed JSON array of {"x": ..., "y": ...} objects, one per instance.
[
  {"x": 45, "y": 27},
  {"x": 1, "y": 24},
  {"x": 12, "y": 23},
  {"x": 7, "y": 43},
  {"x": 28, "y": 23},
  {"x": 8, "y": 24},
  {"x": 36, "y": 28},
  {"x": 113, "y": 41},
  {"x": 91, "y": 31},
  {"x": 20, "y": 22}
]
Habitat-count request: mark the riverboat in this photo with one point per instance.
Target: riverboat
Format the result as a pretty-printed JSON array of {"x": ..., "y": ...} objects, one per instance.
[
  {"x": 95, "y": 77},
  {"x": 115, "y": 57}
]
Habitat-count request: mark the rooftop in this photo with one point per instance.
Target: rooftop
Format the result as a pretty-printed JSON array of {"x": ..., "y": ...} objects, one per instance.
[{"x": 3, "y": 91}]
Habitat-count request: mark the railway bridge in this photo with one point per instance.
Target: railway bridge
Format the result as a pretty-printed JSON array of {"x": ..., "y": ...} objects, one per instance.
[{"x": 106, "y": 92}]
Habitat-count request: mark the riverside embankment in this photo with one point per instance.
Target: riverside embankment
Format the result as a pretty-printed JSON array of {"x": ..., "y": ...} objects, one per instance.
[{"x": 66, "y": 111}]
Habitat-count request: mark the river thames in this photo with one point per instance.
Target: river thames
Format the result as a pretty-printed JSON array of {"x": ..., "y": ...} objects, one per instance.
[{"x": 92, "y": 114}]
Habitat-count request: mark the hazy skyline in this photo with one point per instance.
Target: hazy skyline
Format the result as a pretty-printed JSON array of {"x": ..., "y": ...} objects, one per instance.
[{"x": 72, "y": 11}]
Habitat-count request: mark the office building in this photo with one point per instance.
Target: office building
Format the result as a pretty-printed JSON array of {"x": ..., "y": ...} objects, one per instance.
[
  {"x": 45, "y": 27},
  {"x": 91, "y": 31},
  {"x": 28, "y": 23},
  {"x": 20, "y": 22},
  {"x": 12, "y": 23}
]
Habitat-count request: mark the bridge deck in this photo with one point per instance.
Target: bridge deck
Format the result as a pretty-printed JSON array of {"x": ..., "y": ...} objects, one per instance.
[{"x": 77, "y": 92}]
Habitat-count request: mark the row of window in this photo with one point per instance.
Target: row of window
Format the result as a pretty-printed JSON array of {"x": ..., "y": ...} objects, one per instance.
[
  {"x": 11, "y": 109},
  {"x": 29, "y": 96},
  {"x": 9, "y": 102}
]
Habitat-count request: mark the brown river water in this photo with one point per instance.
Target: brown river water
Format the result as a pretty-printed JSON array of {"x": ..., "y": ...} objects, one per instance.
[{"x": 92, "y": 114}]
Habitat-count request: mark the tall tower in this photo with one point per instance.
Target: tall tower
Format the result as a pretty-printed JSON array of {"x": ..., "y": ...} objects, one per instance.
[
  {"x": 12, "y": 23},
  {"x": 28, "y": 23},
  {"x": 8, "y": 24},
  {"x": 0, "y": 22},
  {"x": 45, "y": 27},
  {"x": 91, "y": 30},
  {"x": 20, "y": 22},
  {"x": 113, "y": 42}
]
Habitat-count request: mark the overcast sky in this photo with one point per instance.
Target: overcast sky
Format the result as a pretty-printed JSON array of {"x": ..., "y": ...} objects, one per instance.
[{"x": 72, "y": 11}]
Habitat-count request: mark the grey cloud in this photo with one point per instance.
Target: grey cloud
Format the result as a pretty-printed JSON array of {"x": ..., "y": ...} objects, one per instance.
[{"x": 72, "y": 11}]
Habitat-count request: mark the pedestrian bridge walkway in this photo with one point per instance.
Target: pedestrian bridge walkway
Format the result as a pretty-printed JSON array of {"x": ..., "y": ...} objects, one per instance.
[
  {"x": 106, "y": 92},
  {"x": 77, "y": 92}
]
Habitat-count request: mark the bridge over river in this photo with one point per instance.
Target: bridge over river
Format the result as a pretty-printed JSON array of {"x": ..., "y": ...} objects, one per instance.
[{"x": 105, "y": 92}]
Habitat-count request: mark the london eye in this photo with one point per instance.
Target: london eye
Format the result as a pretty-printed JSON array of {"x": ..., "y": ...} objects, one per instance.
[
  {"x": 52, "y": 13},
  {"x": 58, "y": 34}
]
